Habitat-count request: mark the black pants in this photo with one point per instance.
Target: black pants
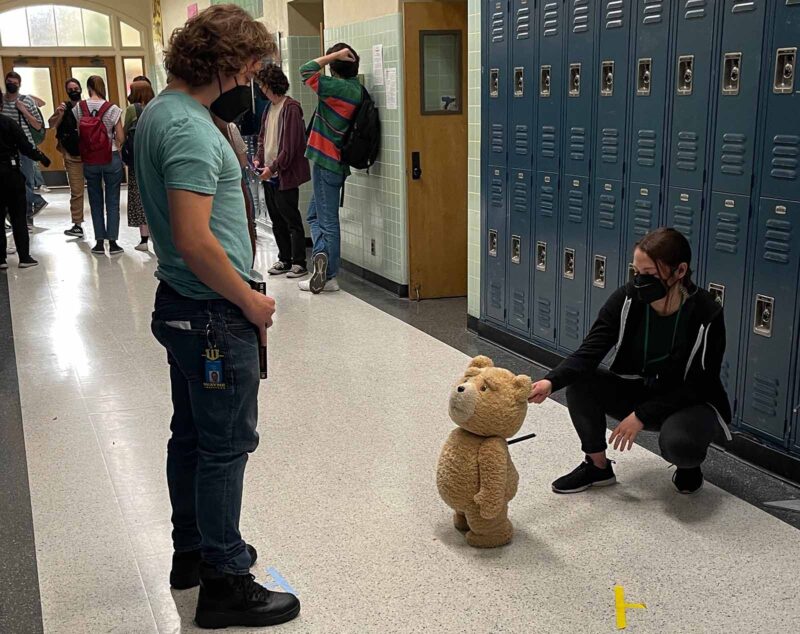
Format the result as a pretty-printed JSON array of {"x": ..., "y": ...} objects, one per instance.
[
  {"x": 287, "y": 224},
  {"x": 684, "y": 437},
  {"x": 13, "y": 204}
]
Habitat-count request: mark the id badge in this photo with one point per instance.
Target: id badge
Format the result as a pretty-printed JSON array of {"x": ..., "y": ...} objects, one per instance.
[{"x": 213, "y": 374}]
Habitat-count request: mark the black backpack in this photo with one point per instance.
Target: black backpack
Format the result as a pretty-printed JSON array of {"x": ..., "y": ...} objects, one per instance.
[
  {"x": 127, "y": 146},
  {"x": 67, "y": 132},
  {"x": 363, "y": 138}
]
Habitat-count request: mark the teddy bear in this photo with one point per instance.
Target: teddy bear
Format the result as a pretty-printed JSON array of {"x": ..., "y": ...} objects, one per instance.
[{"x": 475, "y": 474}]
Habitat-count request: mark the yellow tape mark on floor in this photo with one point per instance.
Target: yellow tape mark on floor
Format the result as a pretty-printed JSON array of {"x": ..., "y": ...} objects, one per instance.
[{"x": 621, "y": 607}]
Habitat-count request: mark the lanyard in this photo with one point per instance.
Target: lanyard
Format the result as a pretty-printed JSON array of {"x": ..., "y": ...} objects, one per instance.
[{"x": 647, "y": 337}]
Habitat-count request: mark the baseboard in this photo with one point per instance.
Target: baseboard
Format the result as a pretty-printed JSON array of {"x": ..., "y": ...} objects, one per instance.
[
  {"x": 515, "y": 344},
  {"x": 401, "y": 290}
]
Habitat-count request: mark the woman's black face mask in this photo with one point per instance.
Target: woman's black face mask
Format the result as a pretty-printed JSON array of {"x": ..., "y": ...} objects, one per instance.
[
  {"x": 649, "y": 288},
  {"x": 233, "y": 103}
]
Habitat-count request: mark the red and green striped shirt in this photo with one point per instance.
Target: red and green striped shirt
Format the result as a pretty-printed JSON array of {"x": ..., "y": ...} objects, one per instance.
[{"x": 338, "y": 101}]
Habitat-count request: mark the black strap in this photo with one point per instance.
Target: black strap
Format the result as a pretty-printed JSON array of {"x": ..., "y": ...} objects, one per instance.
[{"x": 341, "y": 200}]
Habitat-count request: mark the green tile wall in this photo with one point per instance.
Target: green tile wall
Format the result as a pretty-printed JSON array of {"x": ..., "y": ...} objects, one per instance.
[
  {"x": 375, "y": 203},
  {"x": 474, "y": 160}
]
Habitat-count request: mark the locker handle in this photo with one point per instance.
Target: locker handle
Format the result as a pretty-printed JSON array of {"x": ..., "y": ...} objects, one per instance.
[
  {"x": 416, "y": 170},
  {"x": 541, "y": 256},
  {"x": 764, "y": 315}
]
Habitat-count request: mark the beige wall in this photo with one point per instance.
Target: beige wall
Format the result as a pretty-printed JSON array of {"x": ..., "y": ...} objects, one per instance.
[
  {"x": 305, "y": 17},
  {"x": 342, "y": 12}
]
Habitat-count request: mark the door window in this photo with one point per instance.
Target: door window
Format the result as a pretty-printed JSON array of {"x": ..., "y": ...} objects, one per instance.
[
  {"x": 440, "y": 59},
  {"x": 38, "y": 81},
  {"x": 82, "y": 74}
]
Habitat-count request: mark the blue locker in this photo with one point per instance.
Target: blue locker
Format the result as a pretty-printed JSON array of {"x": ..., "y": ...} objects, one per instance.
[
  {"x": 573, "y": 261},
  {"x": 523, "y": 85},
  {"x": 781, "y": 161},
  {"x": 495, "y": 244},
  {"x": 498, "y": 79},
  {"x": 685, "y": 212},
  {"x": 551, "y": 82},
  {"x": 519, "y": 251},
  {"x": 579, "y": 77},
  {"x": 643, "y": 204},
  {"x": 608, "y": 262},
  {"x": 545, "y": 258},
  {"x": 771, "y": 344}
]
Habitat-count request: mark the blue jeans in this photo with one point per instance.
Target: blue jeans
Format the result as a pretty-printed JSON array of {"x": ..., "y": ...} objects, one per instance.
[
  {"x": 323, "y": 215},
  {"x": 110, "y": 176},
  {"x": 213, "y": 430},
  {"x": 28, "y": 169}
]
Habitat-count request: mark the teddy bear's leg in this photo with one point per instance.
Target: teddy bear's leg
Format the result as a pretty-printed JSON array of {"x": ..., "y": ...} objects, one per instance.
[
  {"x": 460, "y": 521},
  {"x": 490, "y": 533}
]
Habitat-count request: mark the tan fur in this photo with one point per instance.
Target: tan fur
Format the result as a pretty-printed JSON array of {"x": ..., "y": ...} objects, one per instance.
[{"x": 475, "y": 475}]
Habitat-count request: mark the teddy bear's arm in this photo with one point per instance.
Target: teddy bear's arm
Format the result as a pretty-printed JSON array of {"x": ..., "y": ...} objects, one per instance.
[{"x": 492, "y": 467}]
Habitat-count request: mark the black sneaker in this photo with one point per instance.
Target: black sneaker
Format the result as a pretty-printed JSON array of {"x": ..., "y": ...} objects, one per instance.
[
  {"x": 688, "y": 481},
  {"x": 320, "y": 275},
  {"x": 26, "y": 263},
  {"x": 185, "y": 571},
  {"x": 38, "y": 207},
  {"x": 280, "y": 268},
  {"x": 226, "y": 599},
  {"x": 99, "y": 248},
  {"x": 585, "y": 476},
  {"x": 114, "y": 248},
  {"x": 76, "y": 231}
]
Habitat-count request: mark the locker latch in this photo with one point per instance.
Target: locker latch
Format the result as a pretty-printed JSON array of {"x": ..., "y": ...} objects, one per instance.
[
  {"x": 631, "y": 272},
  {"x": 519, "y": 81},
  {"x": 599, "y": 278},
  {"x": 493, "y": 243},
  {"x": 765, "y": 311},
  {"x": 494, "y": 82},
  {"x": 644, "y": 76},
  {"x": 732, "y": 74},
  {"x": 717, "y": 292},
  {"x": 784, "y": 70},
  {"x": 685, "y": 74},
  {"x": 607, "y": 73},
  {"x": 541, "y": 256},
  {"x": 569, "y": 264},
  {"x": 516, "y": 250},
  {"x": 574, "y": 80},
  {"x": 544, "y": 81}
]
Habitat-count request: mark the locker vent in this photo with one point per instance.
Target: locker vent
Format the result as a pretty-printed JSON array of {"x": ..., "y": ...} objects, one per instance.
[
  {"x": 496, "y": 295},
  {"x": 646, "y": 150},
  {"x": 498, "y": 142},
  {"x": 695, "y": 9},
  {"x": 743, "y": 7},
  {"x": 608, "y": 212},
  {"x": 577, "y": 144},
  {"x": 687, "y": 151},
  {"x": 572, "y": 323},
  {"x": 653, "y": 12},
  {"x": 642, "y": 217},
  {"x": 547, "y": 199},
  {"x": 785, "y": 153},
  {"x": 521, "y": 140},
  {"x": 496, "y": 197},
  {"x": 520, "y": 196},
  {"x": 523, "y": 27},
  {"x": 684, "y": 219},
  {"x": 575, "y": 205},
  {"x": 544, "y": 313},
  {"x": 734, "y": 148},
  {"x": 580, "y": 16},
  {"x": 778, "y": 241},
  {"x": 615, "y": 14},
  {"x": 727, "y": 237},
  {"x": 498, "y": 26},
  {"x": 519, "y": 307},
  {"x": 609, "y": 145},
  {"x": 766, "y": 391},
  {"x": 548, "y": 141},
  {"x": 550, "y": 22}
]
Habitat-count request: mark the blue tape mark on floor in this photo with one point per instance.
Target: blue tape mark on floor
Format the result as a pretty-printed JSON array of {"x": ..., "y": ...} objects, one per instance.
[{"x": 278, "y": 582}]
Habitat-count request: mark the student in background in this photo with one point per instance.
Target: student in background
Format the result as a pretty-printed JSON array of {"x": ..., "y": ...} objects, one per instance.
[
  {"x": 281, "y": 144},
  {"x": 141, "y": 95}
]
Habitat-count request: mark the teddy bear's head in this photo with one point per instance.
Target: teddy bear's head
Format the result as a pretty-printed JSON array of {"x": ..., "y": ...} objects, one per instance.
[{"x": 490, "y": 401}]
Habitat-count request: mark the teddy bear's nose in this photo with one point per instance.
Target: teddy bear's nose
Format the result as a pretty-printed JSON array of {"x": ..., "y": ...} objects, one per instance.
[{"x": 461, "y": 388}]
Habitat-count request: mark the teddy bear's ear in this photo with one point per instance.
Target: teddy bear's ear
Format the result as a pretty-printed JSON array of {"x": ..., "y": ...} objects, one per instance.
[
  {"x": 481, "y": 362},
  {"x": 523, "y": 385}
]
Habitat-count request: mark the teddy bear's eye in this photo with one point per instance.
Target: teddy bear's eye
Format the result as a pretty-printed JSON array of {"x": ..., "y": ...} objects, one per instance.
[{"x": 484, "y": 388}]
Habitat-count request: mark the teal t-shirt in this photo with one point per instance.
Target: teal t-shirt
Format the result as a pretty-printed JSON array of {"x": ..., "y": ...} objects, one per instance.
[{"x": 177, "y": 146}]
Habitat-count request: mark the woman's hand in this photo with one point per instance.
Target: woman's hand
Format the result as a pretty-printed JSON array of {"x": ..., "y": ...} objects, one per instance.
[
  {"x": 266, "y": 174},
  {"x": 540, "y": 391},
  {"x": 625, "y": 433}
]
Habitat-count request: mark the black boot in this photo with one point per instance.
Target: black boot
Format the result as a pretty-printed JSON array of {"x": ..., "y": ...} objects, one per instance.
[
  {"x": 227, "y": 599},
  {"x": 185, "y": 571}
]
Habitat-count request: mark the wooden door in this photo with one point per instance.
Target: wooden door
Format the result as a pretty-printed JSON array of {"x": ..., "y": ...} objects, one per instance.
[{"x": 436, "y": 147}]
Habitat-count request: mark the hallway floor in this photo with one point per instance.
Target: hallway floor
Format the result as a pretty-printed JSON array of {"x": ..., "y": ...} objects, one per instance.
[{"x": 340, "y": 498}]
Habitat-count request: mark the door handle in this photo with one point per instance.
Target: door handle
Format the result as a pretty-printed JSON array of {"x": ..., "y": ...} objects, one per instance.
[{"x": 416, "y": 170}]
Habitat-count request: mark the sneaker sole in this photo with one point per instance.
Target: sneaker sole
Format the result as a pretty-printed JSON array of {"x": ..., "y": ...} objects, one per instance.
[
  {"x": 3, "y": 267},
  {"x": 220, "y": 620},
  {"x": 599, "y": 483},
  {"x": 319, "y": 276},
  {"x": 295, "y": 276},
  {"x": 28, "y": 265},
  {"x": 98, "y": 252},
  {"x": 692, "y": 492},
  {"x": 113, "y": 253}
]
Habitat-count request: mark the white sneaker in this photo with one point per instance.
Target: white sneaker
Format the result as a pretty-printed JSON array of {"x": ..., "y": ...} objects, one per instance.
[
  {"x": 142, "y": 246},
  {"x": 331, "y": 286}
]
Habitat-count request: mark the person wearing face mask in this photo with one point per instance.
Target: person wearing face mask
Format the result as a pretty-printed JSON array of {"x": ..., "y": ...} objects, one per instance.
[
  {"x": 66, "y": 125},
  {"x": 207, "y": 316},
  {"x": 668, "y": 337}
]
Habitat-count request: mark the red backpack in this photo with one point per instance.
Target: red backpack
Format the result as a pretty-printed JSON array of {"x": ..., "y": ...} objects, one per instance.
[{"x": 93, "y": 136}]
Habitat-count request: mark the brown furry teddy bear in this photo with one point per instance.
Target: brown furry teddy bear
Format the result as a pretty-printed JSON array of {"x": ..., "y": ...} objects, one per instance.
[{"x": 475, "y": 476}]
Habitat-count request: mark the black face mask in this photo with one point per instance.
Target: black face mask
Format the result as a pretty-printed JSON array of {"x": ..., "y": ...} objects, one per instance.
[
  {"x": 649, "y": 288},
  {"x": 11, "y": 87},
  {"x": 232, "y": 104},
  {"x": 74, "y": 95}
]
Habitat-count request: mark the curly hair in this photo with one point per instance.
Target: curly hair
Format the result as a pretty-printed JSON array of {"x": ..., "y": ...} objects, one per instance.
[
  {"x": 272, "y": 77},
  {"x": 347, "y": 70},
  {"x": 220, "y": 39}
]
